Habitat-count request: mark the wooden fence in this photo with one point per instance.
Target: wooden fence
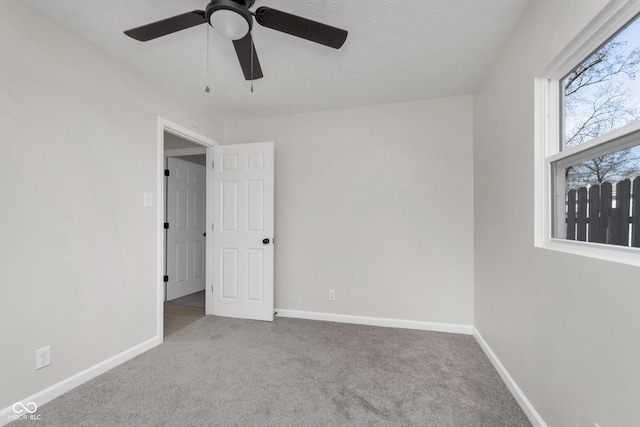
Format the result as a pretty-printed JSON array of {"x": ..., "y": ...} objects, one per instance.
[{"x": 595, "y": 215}]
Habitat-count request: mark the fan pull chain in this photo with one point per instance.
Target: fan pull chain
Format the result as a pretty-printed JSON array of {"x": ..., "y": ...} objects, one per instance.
[
  {"x": 252, "y": 65},
  {"x": 207, "y": 89}
]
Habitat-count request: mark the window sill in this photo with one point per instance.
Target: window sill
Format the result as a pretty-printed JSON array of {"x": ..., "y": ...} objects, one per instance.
[{"x": 611, "y": 253}]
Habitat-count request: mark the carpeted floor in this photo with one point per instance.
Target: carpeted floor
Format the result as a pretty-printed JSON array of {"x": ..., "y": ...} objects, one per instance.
[{"x": 291, "y": 372}]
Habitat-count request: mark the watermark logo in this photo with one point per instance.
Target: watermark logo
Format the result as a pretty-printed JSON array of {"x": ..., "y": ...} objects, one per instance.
[
  {"x": 30, "y": 407},
  {"x": 24, "y": 411}
]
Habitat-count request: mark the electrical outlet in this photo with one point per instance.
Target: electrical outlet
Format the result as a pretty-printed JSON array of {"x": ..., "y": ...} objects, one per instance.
[
  {"x": 43, "y": 357},
  {"x": 332, "y": 295}
]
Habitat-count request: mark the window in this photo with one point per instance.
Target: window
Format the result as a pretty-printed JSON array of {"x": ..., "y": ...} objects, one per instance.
[{"x": 588, "y": 174}]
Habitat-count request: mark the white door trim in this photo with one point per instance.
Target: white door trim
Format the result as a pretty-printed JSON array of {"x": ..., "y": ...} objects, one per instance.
[
  {"x": 165, "y": 125},
  {"x": 178, "y": 152}
]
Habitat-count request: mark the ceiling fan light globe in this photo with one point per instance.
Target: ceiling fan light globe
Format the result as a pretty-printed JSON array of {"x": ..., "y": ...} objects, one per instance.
[{"x": 229, "y": 24}]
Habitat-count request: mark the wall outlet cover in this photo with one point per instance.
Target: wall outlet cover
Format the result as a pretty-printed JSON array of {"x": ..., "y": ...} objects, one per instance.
[{"x": 43, "y": 357}]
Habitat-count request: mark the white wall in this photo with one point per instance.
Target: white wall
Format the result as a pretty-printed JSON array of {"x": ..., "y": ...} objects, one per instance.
[
  {"x": 564, "y": 326},
  {"x": 375, "y": 203},
  {"x": 78, "y": 147}
]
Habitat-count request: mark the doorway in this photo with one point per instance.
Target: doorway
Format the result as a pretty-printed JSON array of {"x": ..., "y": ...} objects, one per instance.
[{"x": 183, "y": 212}]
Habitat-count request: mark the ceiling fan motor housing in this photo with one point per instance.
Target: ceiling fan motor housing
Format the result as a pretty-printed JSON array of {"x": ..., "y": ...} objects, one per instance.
[{"x": 240, "y": 7}]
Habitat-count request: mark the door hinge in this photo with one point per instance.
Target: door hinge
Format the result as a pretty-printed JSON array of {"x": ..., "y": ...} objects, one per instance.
[
  {"x": 213, "y": 165},
  {"x": 166, "y": 278},
  {"x": 166, "y": 225},
  {"x": 166, "y": 172}
]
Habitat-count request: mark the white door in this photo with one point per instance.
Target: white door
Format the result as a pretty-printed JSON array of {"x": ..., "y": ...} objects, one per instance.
[
  {"x": 243, "y": 193},
  {"x": 186, "y": 190}
]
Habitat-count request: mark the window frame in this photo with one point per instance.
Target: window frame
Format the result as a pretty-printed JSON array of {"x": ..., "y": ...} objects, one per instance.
[{"x": 548, "y": 137}]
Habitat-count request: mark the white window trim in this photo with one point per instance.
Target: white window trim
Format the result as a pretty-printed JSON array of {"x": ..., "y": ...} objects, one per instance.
[{"x": 547, "y": 135}]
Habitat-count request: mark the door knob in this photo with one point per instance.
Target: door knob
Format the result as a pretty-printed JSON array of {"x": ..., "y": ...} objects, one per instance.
[{"x": 265, "y": 241}]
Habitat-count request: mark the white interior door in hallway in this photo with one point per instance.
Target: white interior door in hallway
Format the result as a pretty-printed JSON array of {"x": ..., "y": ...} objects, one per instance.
[
  {"x": 243, "y": 216},
  {"x": 186, "y": 197}
]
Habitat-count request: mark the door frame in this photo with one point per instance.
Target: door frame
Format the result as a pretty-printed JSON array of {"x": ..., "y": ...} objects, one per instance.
[{"x": 168, "y": 126}]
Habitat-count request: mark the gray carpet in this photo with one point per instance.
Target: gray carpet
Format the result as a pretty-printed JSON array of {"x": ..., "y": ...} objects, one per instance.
[
  {"x": 193, "y": 300},
  {"x": 290, "y": 372}
]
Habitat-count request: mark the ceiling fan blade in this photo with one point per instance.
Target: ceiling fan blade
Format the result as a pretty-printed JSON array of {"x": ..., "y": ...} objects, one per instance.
[
  {"x": 301, "y": 27},
  {"x": 167, "y": 26},
  {"x": 252, "y": 71}
]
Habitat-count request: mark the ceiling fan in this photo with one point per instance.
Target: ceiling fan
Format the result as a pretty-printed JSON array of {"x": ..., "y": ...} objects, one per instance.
[{"x": 233, "y": 20}]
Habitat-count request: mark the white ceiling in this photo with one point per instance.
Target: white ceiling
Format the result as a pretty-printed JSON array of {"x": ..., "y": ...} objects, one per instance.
[{"x": 397, "y": 50}]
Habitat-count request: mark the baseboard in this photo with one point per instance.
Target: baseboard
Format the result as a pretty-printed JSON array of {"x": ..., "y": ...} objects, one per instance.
[
  {"x": 534, "y": 417},
  {"x": 56, "y": 390},
  {"x": 378, "y": 321}
]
